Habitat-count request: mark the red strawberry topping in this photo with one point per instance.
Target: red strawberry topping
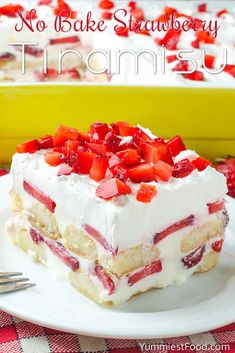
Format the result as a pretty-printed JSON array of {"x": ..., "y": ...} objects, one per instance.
[
  {"x": 193, "y": 258},
  {"x": 39, "y": 195},
  {"x": 140, "y": 137},
  {"x": 45, "y": 142},
  {"x": 85, "y": 161},
  {"x": 215, "y": 207},
  {"x": 163, "y": 170},
  {"x": 54, "y": 158},
  {"x": 64, "y": 133},
  {"x": 155, "y": 151},
  {"x": 176, "y": 145},
  {"x": 122, "y": 128},
  {"x": 28, "y": 147},
  {"x": 227, "y": 167},
  {"x": 99, "y": 168},
  {"x": 106, "y": 15},
  {"x": 98, "y": 148},
  {"x": 3, "y": 172},
  {"x": 11, "y": 10},
  {"x": 202, "y": 8},
  {"x": 141, "y": 173},
  {"x": 217, "y": 245},
  {"x": 171, "y": 40},
  {"x": 112, "y": 141},
  {"x": 122, "y": 31},
  {"x": 173, "y": 228},
  {"x": 71, "y": 39},
  {"x": 129, "y": 156},
  {"x": 148, "y": 270},
  {"x": 146, "y": 192},
  {"x": 183, "y": 168},
  {"x": 111, "y": 188},
  {"x": 105, "y": 279},
  {"x": 222, "y": 12},
  {"x": 106, "y": 4},
  {"x": 99, "y": 131},
  {"x": 201, "y": 163}
]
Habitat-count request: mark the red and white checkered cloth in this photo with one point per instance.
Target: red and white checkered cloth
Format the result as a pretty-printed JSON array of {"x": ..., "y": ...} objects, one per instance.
[{"x": 18, "y": 336}]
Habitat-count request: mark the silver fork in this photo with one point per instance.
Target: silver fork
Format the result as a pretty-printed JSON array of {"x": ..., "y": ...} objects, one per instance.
[{"x": 12, "y": 281}]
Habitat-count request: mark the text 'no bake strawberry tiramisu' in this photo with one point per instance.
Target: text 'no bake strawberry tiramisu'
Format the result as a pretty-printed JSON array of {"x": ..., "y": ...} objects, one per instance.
[{"x": 117, "y": 210}]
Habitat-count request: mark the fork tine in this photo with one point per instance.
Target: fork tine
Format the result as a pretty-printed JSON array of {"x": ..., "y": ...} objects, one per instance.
[
  {"x": 10, "y": 274},
  {"x": 12, "y": 280},
  {"x": 15, "y": 287}
]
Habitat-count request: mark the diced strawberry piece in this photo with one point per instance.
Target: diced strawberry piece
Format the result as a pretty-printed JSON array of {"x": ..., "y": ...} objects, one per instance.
[
  {"x": 30, "y": 15},
  {"x": 98, "y": 237},
  {"x": 141, "y": 173},
  {"x": 112, "y": 141},
  {"x": 230, "y": 69},
  {"x": 201, "y": 163},
  {"x": 106, "y": 15},
  {"x": 111, "y": 188},
  {"x": 99, "y": 131},
  {"x": 162, "y": 18},
  {"x": 155, "y": 151},
  {"x": 85, "y": 161},
  {"x": 202, "y": 8},
  {"x": 130, "y": 156},
  {"x": 106, "y": 4},
  {"x": 132, "y": 4},
  {"x": 215, "y": 207},
  {"x": 71, "y": 39},
  {"x": 11, "y": 10},
  {"x": 31, "y": 50},
  {"x": 104, "y": 278},
  {"x": 120, "y": 172},
  {"x": 3, "y": 172},
  {"x": 64, "y": 133},
  {"x": 140, "y": 137},
  {"x": 65, "y": 169},
  {"x": 163, "y": 170},
  {"x": 171, "y": 39},
  {"x": 62, "y": 253},
  {"x": 193, "y": 258},
  {"x": 146, "y": 192},
  {"x": 217, "y": 245},
  {"x": 114, "y": 160},
  {"x": 195, "y": 76},
  {"x": 45, "y": 2},
  {"x": 122, "y": 31},
  {"x": 28, "y": 147},
  {"x": 173, "y": 228},
  {"x": 70, "y": 145},
  {"x": 54, "y": 158},
  {"x": 45, "y": 142},
  {"x": 182, "y": 65},
  {"x": 122, "y": 128},
  {"x": 100, "y": 149},
  {"x": 127, "y": 146},
  {"x": 99, "y": 168},
  {"x": 148, "y": 270},
  {"x": 195, "y": 44},
  {"x": 7, "y": 57},
  {"x": 183, "y": 168},
  {"x": 39, "y": 196},
  {"x": 222, "y": 12},
  {"x": 64, "y": 9},
  {"x": 210, "y": 61},
  {"x": 171, "y": 58},
  {"x": 205, "y": 37},
  {"x": 176, "y": 145},
  {"x": 169, "y": 10},
  {"x": 137, "y": 13},
  {"x": 36, "y": 236}
]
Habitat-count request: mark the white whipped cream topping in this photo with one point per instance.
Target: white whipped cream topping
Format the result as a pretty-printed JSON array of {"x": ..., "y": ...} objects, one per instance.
[{"x": 123, "y": 221}]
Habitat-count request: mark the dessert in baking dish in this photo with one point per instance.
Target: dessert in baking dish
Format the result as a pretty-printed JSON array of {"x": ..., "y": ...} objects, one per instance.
[
  {"x": 213, "y": 42},
  {"x": 117, "y": 210}
]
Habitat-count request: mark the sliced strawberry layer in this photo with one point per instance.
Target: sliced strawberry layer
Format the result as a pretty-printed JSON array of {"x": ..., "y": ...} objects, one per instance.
[
  {"x": 105, "y": 279},
  {"x": 35, "y": 236},
  {"x": 217, "y": 245},
  {"x": 39, "y": 196},
  {"x": 146, "y": 192},
  {"x": 98, "y": 237},
  {"x": 193, "y": 258},
  {"x": 62, "y": 253},
  {"x": 71, "y": 39},
  {"x": 173, "y": 228},
  {"x": 215, "y": 207},
  {"x": 148, "y": 270},
  {"x": 111, "y": 188}
]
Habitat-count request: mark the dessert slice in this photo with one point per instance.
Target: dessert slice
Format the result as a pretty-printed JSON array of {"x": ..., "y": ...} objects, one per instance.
[{"x": 117, "y": 210}]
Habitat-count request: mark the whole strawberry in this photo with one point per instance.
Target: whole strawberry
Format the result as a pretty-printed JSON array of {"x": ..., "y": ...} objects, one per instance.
[{"x": 227, "y": 167}]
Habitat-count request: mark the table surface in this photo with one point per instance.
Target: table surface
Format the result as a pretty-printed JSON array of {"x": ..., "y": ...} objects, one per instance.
[{"x": 18, "y": 336}]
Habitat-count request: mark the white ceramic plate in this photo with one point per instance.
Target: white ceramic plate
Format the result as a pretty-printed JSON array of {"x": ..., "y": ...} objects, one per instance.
[{"x": 204, "y": 302}]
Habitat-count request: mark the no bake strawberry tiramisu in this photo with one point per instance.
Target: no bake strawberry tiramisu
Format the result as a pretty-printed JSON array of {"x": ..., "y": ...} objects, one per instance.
[{"x": 117, "y": 210}]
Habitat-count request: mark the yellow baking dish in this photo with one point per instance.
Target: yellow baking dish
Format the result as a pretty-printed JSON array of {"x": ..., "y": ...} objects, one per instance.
[{"x": 203, "y": 116}]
